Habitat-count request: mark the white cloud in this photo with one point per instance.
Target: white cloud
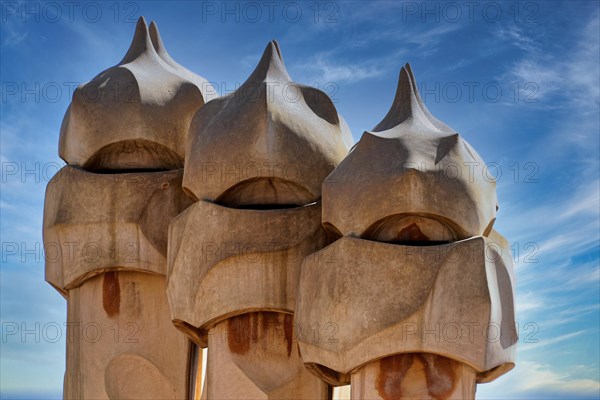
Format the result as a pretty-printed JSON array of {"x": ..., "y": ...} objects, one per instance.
[
  {"x": 323, "y": 69},
  {"x": 532, "y": 379},
  {"x": 551, "y": 341},
  {"x": 526, "y": 303},
  {"x": 560, "y": 227},
  {"x": 12, "y": 37},
  {"x": 583, "y": 203},
  {"x": 14, "y": 29},
  {"x": 517, "y": 37},
  {"x": 423, "y": 38},
  {"x": 326, "y": 67},
  {"x": 574, "y": 77},
  {"x": 541, "y": 376}
]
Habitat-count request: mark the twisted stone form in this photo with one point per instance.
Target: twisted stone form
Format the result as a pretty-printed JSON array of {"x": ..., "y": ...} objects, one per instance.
[
  {"x": 106, "y": 221},
  {"x": 255, "y": 162},
  {"x": 245, "y": 224},
  {"x": 418, "y": 287}
]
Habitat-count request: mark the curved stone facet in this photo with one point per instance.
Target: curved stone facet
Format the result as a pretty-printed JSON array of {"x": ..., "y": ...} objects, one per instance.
[
  {"x": 94, "y": 223},
  {"x": 414, "y": 376},
  {"x": 274, "y": 247},
  {"x": 455, "y": 300},
  {"x": 225, "y": 262},
  {"x": 272, "y": 141},
  {"x": 136, "y": 114},
  {"x": 121, "y": 344},
  {"x": 206, "y": 89},
  {"x": 255, "y": 161},
  {"x": 410, "y": 165},
  {"x": 105, "y": 237},
  {"x": 255, "y": 356}
]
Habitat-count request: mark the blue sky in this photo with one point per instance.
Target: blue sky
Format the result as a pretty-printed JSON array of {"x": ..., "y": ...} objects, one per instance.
[{"x": 519, "y": 80}]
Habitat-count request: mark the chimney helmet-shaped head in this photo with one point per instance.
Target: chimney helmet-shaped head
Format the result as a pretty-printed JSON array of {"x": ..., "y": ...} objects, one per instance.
[
  {"x": 135, "y": 115},
  {"x": 271, "y": 142},
  {"x": 411, "y": 179}
]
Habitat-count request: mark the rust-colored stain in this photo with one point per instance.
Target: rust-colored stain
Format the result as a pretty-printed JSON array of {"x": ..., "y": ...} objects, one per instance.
[
  {"x": 270, "y": 321},
  {"x": 245, "y": 329},
  {"x": 241, "y": 331},
  {"x": 412, "y": 233},
  {"x": 131, "y": 299},
  {"x": 391, "y": 374},
  {"x": 111, "y": 293},
  {"x": 272, "y": 328},
  {"x": 288, "y": 329},
  {"x": 440, "y": 373}
]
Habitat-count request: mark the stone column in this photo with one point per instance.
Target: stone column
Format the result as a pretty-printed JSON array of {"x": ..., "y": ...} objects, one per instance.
[
  {"x": 106, "y": 220},
  {"x": 255, "y": 163},
  {"x": 418, "y": 287}
]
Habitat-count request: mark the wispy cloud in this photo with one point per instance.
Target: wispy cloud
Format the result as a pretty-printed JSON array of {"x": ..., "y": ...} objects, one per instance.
[
  {"x": 323, "y": 68},
  {"x": 541, "y": 376},
  {"x": 515, "y": 35},
  {"x": 427, "y": 37},
  {"x": 570, "y": 315},
  {"x": 561, "y": 215},
  {"x": 573, "y": 225},
  {"x": 13, "y": 30},
  {"x": 362, "y": 37},
  {"x": 13, "y": 37},
  {"x": 532, "y": 379},
  {"x": 551, "y": 341},
  {"x": 573, "y": 78},
  {"x": 566, "y": 223},
  {"x": 326, "y": 66},
  {"x": 527, "y": 302}
]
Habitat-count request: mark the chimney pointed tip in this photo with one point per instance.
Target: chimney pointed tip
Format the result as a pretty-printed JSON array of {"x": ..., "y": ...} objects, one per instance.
[{"x": 141, "y": 21}]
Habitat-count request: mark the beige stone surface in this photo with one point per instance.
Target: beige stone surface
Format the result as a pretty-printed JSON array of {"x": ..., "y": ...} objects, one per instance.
[
  {"x": 255, "y": 162},
  {"x": 413, "y": 300},
  {"x": 414, "y": 376},
  {"x": 255, "y": 356},
  {"x": 272, "y": 141},
  {"x": 454, "y": 300},
  {"x": 206, "y": 89},
  {"x": 411, "y": 178},
  {"x": 225, "y": 261},
  {"x": 136, "y": 114},
  {"x": 118, "y": 344},
  {"x": 99, "y": 222},
  {"x": 105, "y": 240}
]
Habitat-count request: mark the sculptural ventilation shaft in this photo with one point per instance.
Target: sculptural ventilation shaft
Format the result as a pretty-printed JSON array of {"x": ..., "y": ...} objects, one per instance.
[
  {"x": 418, "y": 275},
  {"x": 270, "y": 231},
  {"x": 255, "y": 163},
  {"x": 107, "y": 214}
]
